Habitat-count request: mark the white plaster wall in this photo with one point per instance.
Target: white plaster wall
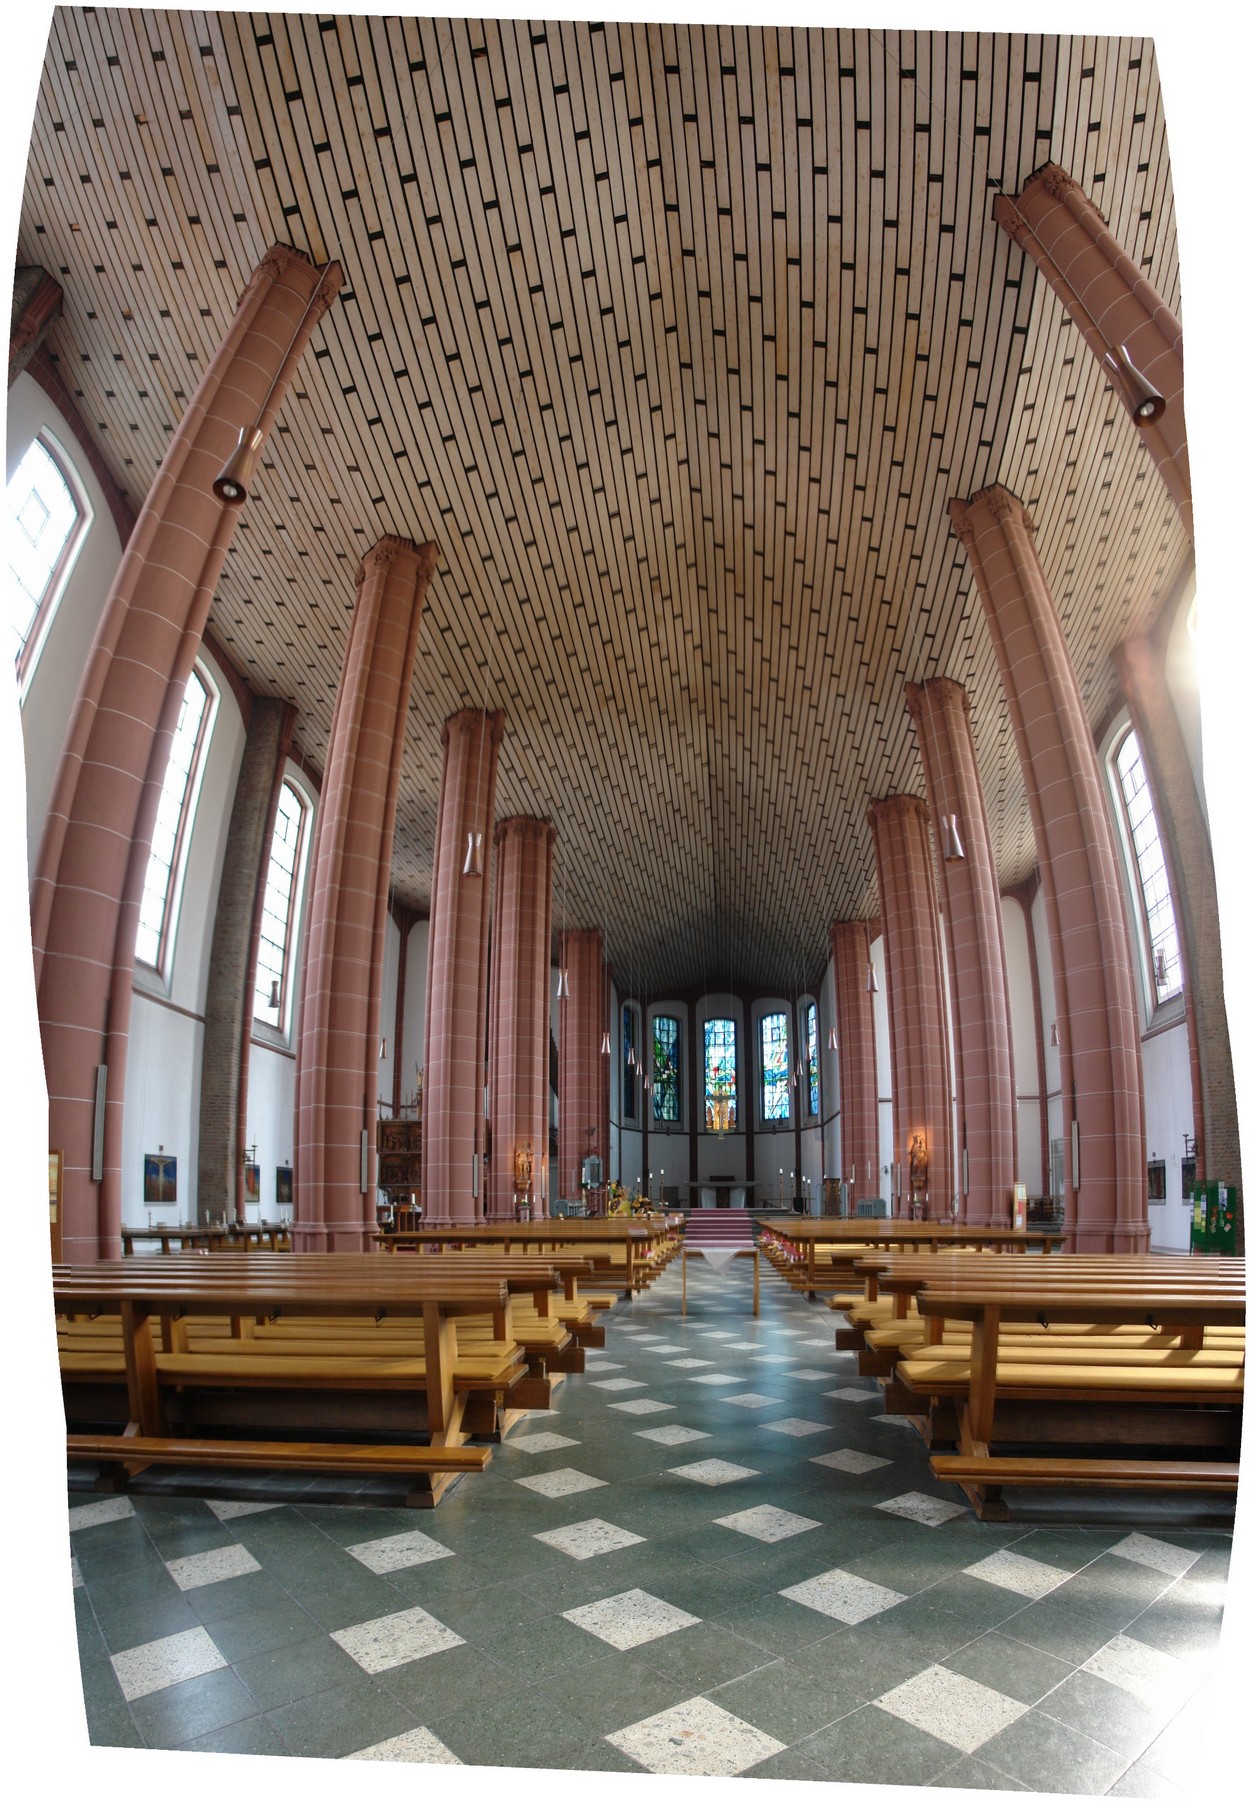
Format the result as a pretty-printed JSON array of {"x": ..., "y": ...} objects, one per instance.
[
  {"x": 1029, "y": 1105},
  {"x": 1169, "y": 1118},
  {"x": 1054, "y": 1114},
  {"x": 270, "y": 1122},
  {"x": 162, "y": 1106},
  {"x": 386, "y": 1018},
  {"x": 414, "y": 1006},
  {"x": 631, "y": 1159},
  {"x": 1181, "y": 668},
  {"x": 53, "y": 683},
  {"x": 830, "y": 1079}
]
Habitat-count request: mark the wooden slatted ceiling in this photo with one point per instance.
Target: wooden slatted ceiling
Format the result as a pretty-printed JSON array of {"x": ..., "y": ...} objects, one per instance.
[{"x": 678, "y": 340}]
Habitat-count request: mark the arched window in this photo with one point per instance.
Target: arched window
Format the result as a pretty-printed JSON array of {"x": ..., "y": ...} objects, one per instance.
[
  {"x": 274, "y": 956},
  {"x": 158, "y": 911},
  {"x": 1157, "y": 923},
  {"x": 720, "y": 1074},
  {"x": 629, "y": 1067},
  {"x": 812, "y": 1037},
  {"x": 48, "y": 519},
  {"x": 665, "y": 1069},
  {"x": 775, "y": 1066}
]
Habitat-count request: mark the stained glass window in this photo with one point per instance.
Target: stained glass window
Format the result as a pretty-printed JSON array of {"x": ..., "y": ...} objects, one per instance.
[
  {"x": 720, "y": 1074},
  {"x": 629, "y": 1073},
  {"x": 813, "y": 1062},
  {"x": 666, "y": 1069},
  {"x": 775, "y": 1066},
  {"x": 1162, "y": 946}
]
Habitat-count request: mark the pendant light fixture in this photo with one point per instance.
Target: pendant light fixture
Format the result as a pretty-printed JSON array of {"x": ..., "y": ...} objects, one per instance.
[
  {"x": 1144, "y": 402},
  {"x": 232, "y": 482},
  {"x": 873, "y": 986},
  {"x": 833, "y": 1039},
  {"x": 952, "y": 845},
  {"x": 1161, "y": 969},
  {"x": 473, "y": 867},
  {"x": 275, "y": 1001},
  {"x": 1054, "y": 1034}
]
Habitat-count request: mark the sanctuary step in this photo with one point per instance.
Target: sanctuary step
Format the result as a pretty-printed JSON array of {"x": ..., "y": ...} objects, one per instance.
[{"x": 719, "y": 1228}]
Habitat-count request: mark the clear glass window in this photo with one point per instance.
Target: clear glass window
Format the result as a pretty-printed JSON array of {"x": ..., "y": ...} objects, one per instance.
[
  {"x": 277, "y": 921},
  {"x": 1163, "y": 956},
  {"x": 775, "y": 1066},
  {"x": 46, "y": 520},
  {"x": 172, "y": 828}
]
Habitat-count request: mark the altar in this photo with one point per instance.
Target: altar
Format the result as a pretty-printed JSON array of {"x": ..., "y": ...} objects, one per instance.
[{"x": 724, "y": 1194}]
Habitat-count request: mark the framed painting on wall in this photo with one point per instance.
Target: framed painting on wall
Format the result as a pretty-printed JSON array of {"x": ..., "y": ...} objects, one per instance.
[
  {"x": 251, "y": 1184},
  {"x": 284, "y": 1191},
  {"x": 160, "y": 1178}
]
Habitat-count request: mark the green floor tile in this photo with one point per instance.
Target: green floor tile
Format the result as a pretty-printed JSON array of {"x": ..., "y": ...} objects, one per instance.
[
  {"x": 1048, "y": 1756},
  {"x": 171, "y": 1717}
]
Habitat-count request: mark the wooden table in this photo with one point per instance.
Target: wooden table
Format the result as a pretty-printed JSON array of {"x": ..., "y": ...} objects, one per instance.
[{"x": 753, "y": 1252}]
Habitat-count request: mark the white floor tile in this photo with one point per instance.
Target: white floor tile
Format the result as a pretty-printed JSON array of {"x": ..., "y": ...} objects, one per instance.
[
  {"x": 1164, "y": 1558},
  {"x": 152, "y": 1666},
  {"x": 541, "y": 1442},
  {"x": 843, "y": 1596},
  {"x": 921, "y": 1508},
  {"x": 212, "y": 1565},
  {"x": 1148, "y": 1674},
  {"x": 768, "y": 1523},
  {"x": 594, "y": 1536},
  {"x": 811, "y": 1373},
  {"x": 417, "y": 1745},
  {"x": 959, "y": 1711},
  {"x": 642, "y": 1407},
  {"x": 851, "y": 1461},
  {"x": 688, "y": 1361},
  {"x": 620, "y": 1385},
  {"x": 630, "y": 1619},
  {"x": 795, "y": 1426},
  {"x": 713, "y": 1473},
  {"x": 750, "y": 1400},
  {"x": 225, "y": 1509},
  {"x": 695, "y": 1738},
  {"x": 1018, "y": 1573},
  {"x": 560, "y": 1482},
  {"x": 594, "y": 1365},
  {"x": 670, "y": 1434},
  {"x": 716, "y": 1379},
  {"x": 399, "y": 1637},
  {"x": 857, "y": 1394},
  {"x": 100, "y": 1511},
  {"x": 388, "y": 1554}
]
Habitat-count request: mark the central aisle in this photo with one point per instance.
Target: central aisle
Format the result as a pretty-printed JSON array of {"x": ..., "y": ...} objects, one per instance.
[{"x": 715, "y": 1556}]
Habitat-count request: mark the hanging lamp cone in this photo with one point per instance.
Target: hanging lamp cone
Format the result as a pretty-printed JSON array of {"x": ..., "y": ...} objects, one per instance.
[
  {"x": 833, "y": 1039},
  {"x": 605, "y": 1046},
  {"x": 952, "y": 845},
  {"x": 473, "y": 855},
  {"x": 562, "y": 983},
  {"x": 1142, "y": 399},
  {"x": 275, "y": 1000},
  {"x": 873, "y": 986},
  {"x": 1054, "y": 1034},
  {"x": 233, "y": 480}
]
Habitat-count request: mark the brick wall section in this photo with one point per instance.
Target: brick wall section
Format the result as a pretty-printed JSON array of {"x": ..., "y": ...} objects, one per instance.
[
  {"x": 583, "y": 1121},
  {"x": 228, "y": 1006},
  {"x": 856, "y": 1056},
  {"x": 985, "y": 1087},
  {"x": 455, "y": 1023},
  {"x": 915, "y": 993},
  {"x": 1191, "y": 875},
  {"x": 520, "y": 1006},
  {"x": 89, "y": 876},
  {"x": 340, "y": 1017},
  {"x": 1099, "y": 1036},
  {"x": 1112, "y": 303}
]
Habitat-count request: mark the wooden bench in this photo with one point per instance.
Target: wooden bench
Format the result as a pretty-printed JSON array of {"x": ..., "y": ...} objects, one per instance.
[
  {"x": 818, "y": 1257},
  {"x": 134, "y": 1453},
  {"x": 340, "y": 1394}
]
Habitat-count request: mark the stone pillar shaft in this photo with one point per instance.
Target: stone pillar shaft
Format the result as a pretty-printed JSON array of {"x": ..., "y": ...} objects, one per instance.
[
  {"x": 583, "y": 1125},
  {"x": 336, "y": 1075},
  {"x": 228, "y": 1006},
  {"x": 977, "y": 958},
  {"x": 915, "y": 993},
  {"x": 857, "y": 1057},
  {"x": 88, "y": 880},
  {"x": 454, "y": 1137},
  {"x": 1112, "y": 302},
  {"x": 520, "y": 1008},
  {"x": 1100, "y": 1047}
]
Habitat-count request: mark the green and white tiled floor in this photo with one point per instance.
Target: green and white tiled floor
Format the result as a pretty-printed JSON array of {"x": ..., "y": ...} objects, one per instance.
[{"x": 715, "y": 1557}]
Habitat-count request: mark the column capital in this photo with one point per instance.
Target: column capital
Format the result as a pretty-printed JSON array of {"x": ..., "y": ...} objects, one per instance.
[
  {"x": 889, "y": 808},
  {"x": 525, "y": 827},
  {"x": 279, "y": 259},
  {"x": 464, "y": 721},
  {"x": 391, "y": 547},
  {"x": 1001, "y": 503},
  {"x": 945, "y": 690}
]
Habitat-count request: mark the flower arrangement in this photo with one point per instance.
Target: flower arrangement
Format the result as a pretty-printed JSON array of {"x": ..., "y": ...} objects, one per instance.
[{"x": 622, "y": 1203}]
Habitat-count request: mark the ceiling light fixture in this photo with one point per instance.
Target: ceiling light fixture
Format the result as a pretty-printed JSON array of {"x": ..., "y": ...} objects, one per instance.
[
  {"x": 233, "y": 481},
  {"x": 1142, "y": 399},
  {"x": 873, "y": 986},
  {"x": 952, "y": 845}
]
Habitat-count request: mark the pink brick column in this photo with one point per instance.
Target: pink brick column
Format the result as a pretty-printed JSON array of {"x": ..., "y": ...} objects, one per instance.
[
  {"x": 1099, "y": 1037},
  {"x": 1112, "y": 303},
  {"x": 583, "y": 1122},
  {"x": 454, "y": 1138},
  {"x": 857, "y": 1057},
  {"x": 520, "y": 1007},
  {"x": 985, "y": 1089},
  {"x": 89, "y": 877},
  {"x": 915, "y": 993},
  {"x": 336, "y": 1074}
]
